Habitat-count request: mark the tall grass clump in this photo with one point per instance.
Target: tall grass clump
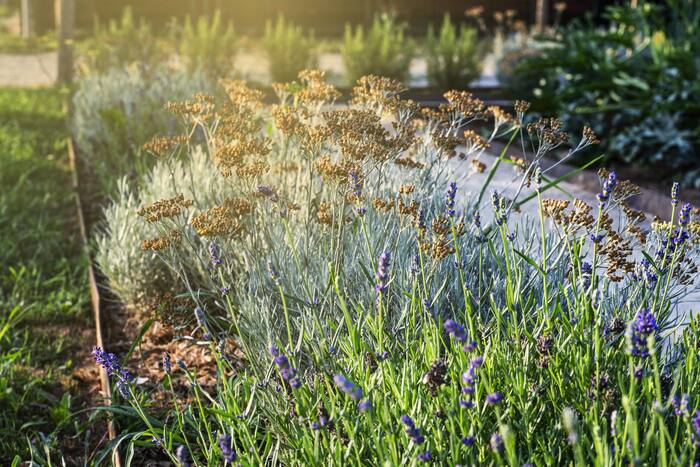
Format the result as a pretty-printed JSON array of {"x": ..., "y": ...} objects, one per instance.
[
  {"x": 289, "y": 50},
  {"x": 121, "y": 43},
  {"x": 380, "y": 49},
  {"x": 454, "y": 56},
  {"x": 206, "y": 45},
  {"x": 359, "y": 311}
]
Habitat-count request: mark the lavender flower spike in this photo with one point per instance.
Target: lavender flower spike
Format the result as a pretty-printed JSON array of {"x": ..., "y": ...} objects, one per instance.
[
  {"x": 450, "y": 199},
  {"x": 348, "y": 387},
  {"x": 382, "y": 275}
]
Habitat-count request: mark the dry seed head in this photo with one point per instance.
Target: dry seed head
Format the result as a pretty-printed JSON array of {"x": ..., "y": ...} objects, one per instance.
[
  {"x": 521, "y": 107},
  {"x": 478, "y": 166},
  {"x": 465, "y": 104},
  {"x": 407, "y": 188},
  {"x": 160, "y": 145},
  {"x": 408, "y": 163},
  {"x": 170, "y": 239},
  {"x": 165, "y": 208}
]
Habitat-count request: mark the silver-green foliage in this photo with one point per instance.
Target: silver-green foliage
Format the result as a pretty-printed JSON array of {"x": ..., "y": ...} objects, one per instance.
[{"x": 117, "y": 112}]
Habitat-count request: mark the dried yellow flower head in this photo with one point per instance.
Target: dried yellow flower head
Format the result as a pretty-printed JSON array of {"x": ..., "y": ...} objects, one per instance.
[{"x": 165, "y": 208}]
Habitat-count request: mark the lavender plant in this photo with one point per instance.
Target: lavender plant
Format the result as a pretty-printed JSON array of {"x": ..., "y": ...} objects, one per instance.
[{"x": 358, "y": 311}]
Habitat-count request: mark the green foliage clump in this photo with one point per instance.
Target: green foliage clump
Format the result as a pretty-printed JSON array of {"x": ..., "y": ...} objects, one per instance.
[
  {"x": 634, "y": 82},
  {"x": 454, "y": 56},
  {"x": 288, "y": 49},
  {"x": 122, "y": 42},
  {"x": 207, "y": 45},
  {"x": 382, "y": 49}
]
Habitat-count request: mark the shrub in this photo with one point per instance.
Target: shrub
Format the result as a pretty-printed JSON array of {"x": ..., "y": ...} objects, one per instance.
[
  {"x": 288, "y": 49},
  {"x": 207, "y": 46},
  {"x": 382, "y": 49},
  {"x": 116, "y": 113},
  {"x": 400, "y": 324},
  {"x": 121, "y": 43},
  {"x": 454, "y": 58},
  {"x": 634, "y": 82}
]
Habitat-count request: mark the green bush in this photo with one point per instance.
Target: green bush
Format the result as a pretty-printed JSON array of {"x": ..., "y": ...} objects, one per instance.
[
  {"x": 121, "y": 43},
  {"x": 382, "y": 49},
  {"x": 207, "y": 45},
  {"x": 635, "y": 82},
  {"x": 454, "y": 56},
  {"x": 288, "y": 50}
]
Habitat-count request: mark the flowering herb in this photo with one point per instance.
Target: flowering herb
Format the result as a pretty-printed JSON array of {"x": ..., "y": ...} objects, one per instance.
[
  {"x": 414, "y": 433},
  {"x": 639, "y": 330},
  {"x": 348, "y": 387},
  {"x": 110, "y": 363},
  {"x": 608, "y": 187},
  {"x": 450, "y": 199},
  {"x": 288, "y": 373},
  {"x": 382, "y": 275},
  {"x": 227, "y": 450}
]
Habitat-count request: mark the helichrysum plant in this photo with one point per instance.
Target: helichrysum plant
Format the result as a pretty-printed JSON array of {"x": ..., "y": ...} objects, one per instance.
[
  {"x": 382, "y": 49},
  {"x": 358, "y": 312},
  {"x": 289, "y": 50},
  {"x": 454, "y": 55}
]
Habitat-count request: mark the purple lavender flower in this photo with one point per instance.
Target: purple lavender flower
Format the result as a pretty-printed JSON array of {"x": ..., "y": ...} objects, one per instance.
[
  {"x": 450, "y": 199},
  {"x": 597, "y": 238},
  {"x": 288, "y": 373},
  {"x": 414, "y": 433},
  {"x": 469, "y": 346},
  {"x": 466, "y": 404},
  {"x": 364, "y": 405},
  {"x": 214, "y": 254},
  {"x": 315, "y": 426},
  {"x": 415, "y": 265},
  {"x": 360, "y": 211},
  {"x": 424, "y": 456},
  {"x": 674, "y": 193},
  {"x": 348, "y": 387},
  {"x": 497, "y": 442},
  {"x": 455, "y": 330},
  {"x": 167, "y": 365},
  {"x": 226, "y": 446},
  {"x": 468, "y": 440},
  {"x": 356, "y": 184},
  {"x": 494, "y": 398},
  {"x": 685, "y": 214},
  {"x": 696, "y": 428},
  {"x": 268, "y": 192},
  {"x": 382, "y": 275},
  {"x": 638, "y": 332},
  {"x": 608, "y": 187},
  {"x": 274, "y": 275},
  {"x": 680, "y": 405},
  {"x": 111, "y": 364}
]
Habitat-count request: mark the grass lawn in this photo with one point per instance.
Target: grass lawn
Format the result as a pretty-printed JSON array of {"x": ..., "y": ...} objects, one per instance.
[{"x": 44, "y": 312}]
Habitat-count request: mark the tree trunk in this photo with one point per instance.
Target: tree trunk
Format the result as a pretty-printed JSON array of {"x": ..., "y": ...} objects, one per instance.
[
  {"x": 541, "y": 15},
  {"x": 65, "y": 20},
  {"x": 26, "y": 19}
]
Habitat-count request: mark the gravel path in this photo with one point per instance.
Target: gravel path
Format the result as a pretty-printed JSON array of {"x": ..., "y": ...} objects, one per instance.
[{"x": 28, "y": 70}]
